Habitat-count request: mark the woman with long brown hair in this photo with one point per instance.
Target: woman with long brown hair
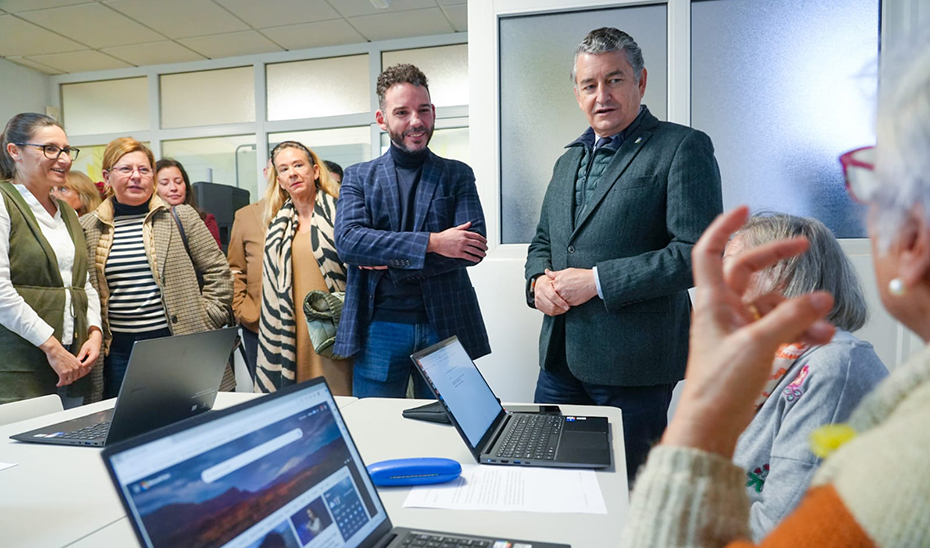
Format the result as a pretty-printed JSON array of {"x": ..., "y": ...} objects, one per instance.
[{"x": 174, "y": 187}]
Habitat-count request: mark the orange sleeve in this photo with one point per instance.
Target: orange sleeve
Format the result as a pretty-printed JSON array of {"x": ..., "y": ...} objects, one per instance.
[{"x": 821, "y": 521}]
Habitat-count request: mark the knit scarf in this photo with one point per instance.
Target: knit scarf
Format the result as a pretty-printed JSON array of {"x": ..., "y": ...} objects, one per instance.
[{"x": 277, "y": 330}]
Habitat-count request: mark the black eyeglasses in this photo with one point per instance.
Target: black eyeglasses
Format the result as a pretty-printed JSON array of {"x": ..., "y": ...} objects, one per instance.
[{"x": 52, "y": 152}]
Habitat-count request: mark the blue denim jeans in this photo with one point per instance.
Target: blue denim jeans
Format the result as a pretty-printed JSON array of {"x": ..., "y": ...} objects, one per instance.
[
  {"x": 383, "y": 365},
  {"x": 645, "y": 409}
]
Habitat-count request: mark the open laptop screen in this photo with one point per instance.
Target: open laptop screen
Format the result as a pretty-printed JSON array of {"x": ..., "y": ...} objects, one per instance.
[
  {"x": 281, "y": 473},
  {"x": 460, "y": 385}
]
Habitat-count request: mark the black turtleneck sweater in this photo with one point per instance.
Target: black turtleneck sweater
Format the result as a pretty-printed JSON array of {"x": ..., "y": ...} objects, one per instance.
[{"x": 403, "y": 303}]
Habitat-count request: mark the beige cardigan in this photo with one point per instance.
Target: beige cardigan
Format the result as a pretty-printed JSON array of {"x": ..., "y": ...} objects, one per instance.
[{"x": 189, "y": 309}]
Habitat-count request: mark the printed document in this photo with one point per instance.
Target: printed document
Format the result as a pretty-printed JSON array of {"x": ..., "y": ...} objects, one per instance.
[{"x": 514, "y": 489}]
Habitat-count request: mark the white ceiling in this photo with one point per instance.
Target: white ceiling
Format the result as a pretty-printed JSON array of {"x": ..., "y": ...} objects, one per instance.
[{"x": 64, "y": 36}]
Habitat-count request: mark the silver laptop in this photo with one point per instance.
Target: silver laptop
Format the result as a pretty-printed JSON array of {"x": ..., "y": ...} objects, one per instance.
[
  {"x": 496, "y": 436},
  {"x": 167, "y": 379},
  {"x": 277, "y": 471}
]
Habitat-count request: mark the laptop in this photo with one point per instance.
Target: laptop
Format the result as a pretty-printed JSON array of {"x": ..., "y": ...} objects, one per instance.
[
  {"x": 167, "y": 379},
  {"x": 496, "y": 436},
  {"x": 280, "y": 470}
]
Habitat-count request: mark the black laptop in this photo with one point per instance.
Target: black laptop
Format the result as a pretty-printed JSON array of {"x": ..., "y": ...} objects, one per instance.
[
  {"x": 496, "y": 436},
  {"x": 280, "y": 470},
  {"x": 167, "y": 379}
]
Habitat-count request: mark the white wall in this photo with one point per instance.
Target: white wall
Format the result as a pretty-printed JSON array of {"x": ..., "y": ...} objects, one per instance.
[{"x": 23, "y": 90}]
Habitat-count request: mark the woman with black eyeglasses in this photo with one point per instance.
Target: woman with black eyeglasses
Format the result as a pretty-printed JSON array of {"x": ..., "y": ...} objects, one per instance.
[{"x": 49, "y": 313}]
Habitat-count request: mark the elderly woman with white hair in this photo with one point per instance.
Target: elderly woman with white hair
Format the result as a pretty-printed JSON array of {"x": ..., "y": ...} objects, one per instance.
[
  {"x": 809, "y": 385},
  {"x": 873, "y": 488}
]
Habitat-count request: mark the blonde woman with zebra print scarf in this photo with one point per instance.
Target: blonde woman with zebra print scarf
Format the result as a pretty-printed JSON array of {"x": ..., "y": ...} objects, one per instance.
[{"x": 300, "y": 256}]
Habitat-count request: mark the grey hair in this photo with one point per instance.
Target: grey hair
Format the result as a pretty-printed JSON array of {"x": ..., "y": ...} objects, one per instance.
[
  {"x": 903, "y": 146},
  {"x": 605, "y": 40},
  {"x": 824, "y": 267}
]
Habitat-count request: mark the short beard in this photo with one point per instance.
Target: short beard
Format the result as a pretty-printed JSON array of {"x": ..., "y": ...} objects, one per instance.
[{"x": 398, "y": 140}]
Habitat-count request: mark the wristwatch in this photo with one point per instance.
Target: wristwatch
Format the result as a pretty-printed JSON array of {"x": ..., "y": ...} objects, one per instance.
[{"x": 531, "y": 292}]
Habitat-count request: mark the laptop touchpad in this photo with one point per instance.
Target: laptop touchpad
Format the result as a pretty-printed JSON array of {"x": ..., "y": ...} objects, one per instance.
[{"x": 593, "y": 447}]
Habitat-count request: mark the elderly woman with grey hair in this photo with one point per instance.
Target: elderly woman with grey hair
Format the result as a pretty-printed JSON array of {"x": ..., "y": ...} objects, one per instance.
[
  {"x": 872, "y": 489},
  {"x": 809, "y": 385}
]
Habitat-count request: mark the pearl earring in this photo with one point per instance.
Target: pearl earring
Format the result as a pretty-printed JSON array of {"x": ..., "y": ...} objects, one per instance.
[{"x": 896, "y": 287}]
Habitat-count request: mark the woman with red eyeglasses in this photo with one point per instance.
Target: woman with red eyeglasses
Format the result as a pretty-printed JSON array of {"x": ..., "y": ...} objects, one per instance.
[
  {"x": 49, "y": 313},
  {"x": 873, "y": 487}
]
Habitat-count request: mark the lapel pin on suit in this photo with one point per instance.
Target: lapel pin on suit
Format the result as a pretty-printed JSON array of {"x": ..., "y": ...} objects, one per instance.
[{"x": 638, "y": 139}]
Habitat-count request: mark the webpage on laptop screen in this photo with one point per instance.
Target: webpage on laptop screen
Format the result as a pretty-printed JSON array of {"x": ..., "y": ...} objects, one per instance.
[
  {"x": 462, "y": 387},
  {"x": 281, "y": 475}
]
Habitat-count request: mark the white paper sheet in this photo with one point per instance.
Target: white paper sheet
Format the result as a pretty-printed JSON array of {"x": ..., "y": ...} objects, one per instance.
[
  {"x": 514, "y": 489},
  {"x": 5, "y": 465}
]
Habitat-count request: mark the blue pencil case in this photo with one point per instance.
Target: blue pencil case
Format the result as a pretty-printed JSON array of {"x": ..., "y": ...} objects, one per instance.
[{"x": 416, "y": 471}]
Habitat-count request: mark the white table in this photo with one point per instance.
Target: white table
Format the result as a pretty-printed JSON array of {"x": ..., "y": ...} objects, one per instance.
[
  {"x": 58, "y": 494},
  {"x": 381, "y": 433},
  {"x": 57, "y": 515}
]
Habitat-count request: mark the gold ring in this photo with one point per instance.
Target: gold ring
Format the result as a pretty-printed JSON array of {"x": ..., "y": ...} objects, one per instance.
[{"x": 755, "y": 312}]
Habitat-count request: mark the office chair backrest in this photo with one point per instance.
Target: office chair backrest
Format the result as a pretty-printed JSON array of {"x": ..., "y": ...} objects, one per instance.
[{"x": 29, "y": 409}]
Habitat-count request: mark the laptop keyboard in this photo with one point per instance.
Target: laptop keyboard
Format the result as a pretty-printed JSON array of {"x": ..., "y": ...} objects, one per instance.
[
  {"x": 442, "y": 541},
  {"x": 91, "y": 432},
  {"x": 531, "y": 437}
]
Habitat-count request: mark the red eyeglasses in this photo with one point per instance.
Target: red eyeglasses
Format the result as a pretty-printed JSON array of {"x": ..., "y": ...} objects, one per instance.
[{"x": 859, "y": 170}]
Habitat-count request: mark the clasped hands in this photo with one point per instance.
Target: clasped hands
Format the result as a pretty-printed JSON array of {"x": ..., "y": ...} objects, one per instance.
[
  {"x": 456, "y": 243},
  {"x": 556, "y": 292},
  {"x": 68, "y": 367}
]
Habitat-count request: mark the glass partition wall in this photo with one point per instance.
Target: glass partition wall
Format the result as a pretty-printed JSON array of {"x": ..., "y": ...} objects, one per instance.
[
  {"x": 221, "y": 118},
  {"x": 782, "y": 88}
]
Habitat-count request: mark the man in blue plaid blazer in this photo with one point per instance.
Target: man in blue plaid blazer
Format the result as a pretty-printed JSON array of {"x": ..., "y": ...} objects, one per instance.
[{"x": 407, "y": 224}]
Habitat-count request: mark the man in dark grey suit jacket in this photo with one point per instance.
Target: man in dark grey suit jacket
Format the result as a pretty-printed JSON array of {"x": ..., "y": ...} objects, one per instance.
[{"x": 610, "y": 264}]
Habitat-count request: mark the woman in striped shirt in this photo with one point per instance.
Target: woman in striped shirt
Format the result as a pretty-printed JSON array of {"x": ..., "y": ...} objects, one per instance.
[{"x": 146, "y": 278}]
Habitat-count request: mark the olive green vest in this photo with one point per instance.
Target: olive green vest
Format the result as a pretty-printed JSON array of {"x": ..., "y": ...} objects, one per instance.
[{"x": 24, "y": 369}]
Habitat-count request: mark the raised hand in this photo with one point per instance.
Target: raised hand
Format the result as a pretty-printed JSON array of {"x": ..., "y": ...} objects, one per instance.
[{"x": 734, "y": 339}]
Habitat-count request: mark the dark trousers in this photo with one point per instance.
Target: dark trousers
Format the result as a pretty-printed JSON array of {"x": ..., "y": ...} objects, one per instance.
[
  {"x": 250, "y": 342},
  {"x": 114, "y": 365},
  {"x": 645, "y": 408}
]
